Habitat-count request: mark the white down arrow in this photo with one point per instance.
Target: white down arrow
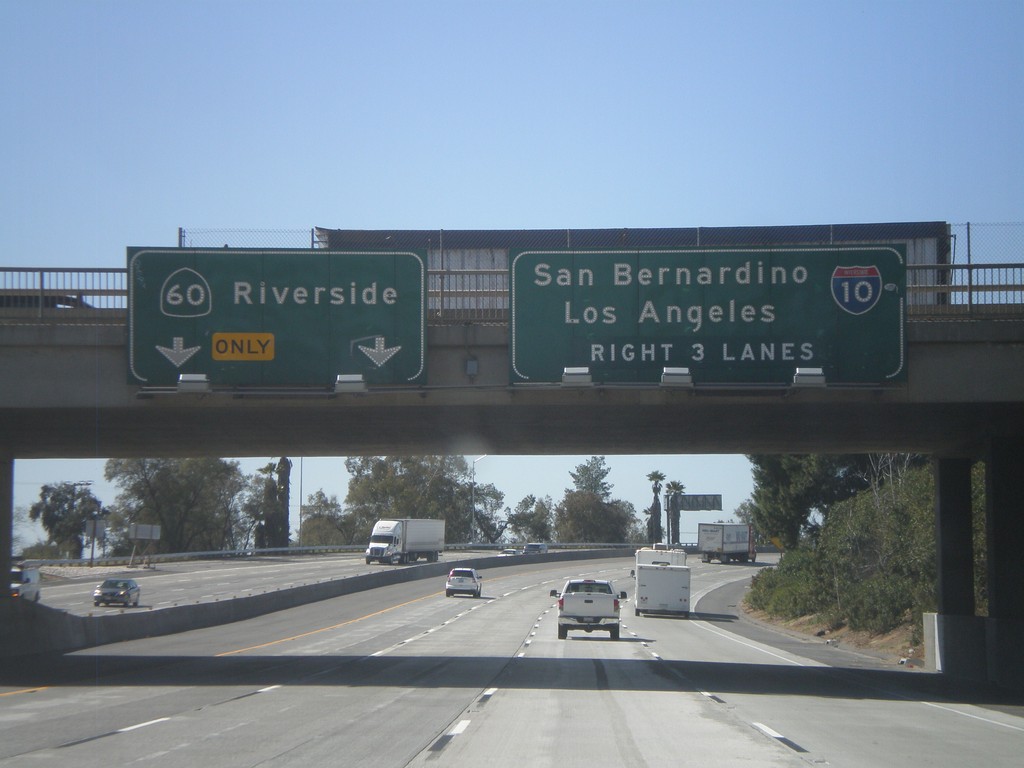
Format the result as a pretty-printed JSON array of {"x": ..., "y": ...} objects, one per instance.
[
  {"x": 378, "y": 353},
  {"x": 177, "y": 353}
]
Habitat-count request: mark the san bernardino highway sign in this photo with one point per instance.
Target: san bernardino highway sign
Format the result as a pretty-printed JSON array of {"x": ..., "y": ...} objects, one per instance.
[{"x": 730, "y": 315}]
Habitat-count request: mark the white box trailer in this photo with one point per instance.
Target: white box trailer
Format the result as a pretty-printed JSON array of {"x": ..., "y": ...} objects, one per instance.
[
  {"x": 405, "y": 540},
  {"x": 726, "y": 542},
  {"x": 660, "y": 556},
  {"x": 662, "y": 589}
]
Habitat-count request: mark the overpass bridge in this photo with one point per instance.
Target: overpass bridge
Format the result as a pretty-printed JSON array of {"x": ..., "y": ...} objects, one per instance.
[{"x": 70, "y": 387}]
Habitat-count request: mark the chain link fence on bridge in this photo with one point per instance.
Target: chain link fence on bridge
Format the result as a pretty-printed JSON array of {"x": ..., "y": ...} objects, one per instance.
[{"x": 978, "y": 271}]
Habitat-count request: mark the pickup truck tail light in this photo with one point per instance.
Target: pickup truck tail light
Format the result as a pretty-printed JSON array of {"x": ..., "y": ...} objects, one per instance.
[
  {"x": 616, "y": 604},
  {"x": 561, "y": 603}
]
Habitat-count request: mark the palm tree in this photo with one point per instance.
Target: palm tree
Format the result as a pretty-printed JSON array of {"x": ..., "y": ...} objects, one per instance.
[
  {"x": 671, "y": 489},
  {"x": 654, "y": 521}
]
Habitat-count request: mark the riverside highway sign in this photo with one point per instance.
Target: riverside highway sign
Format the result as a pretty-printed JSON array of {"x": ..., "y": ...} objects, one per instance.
[
  {"x": 276, "y": 318},
  {"x": 732, "y": 316}
]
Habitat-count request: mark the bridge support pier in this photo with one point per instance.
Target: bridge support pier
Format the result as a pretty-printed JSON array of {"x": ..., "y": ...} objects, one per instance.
[
  {"x": 1004, "y": 518},
  {"x": 965, "y": 645},
  {"x": 956, "y": 634},
  {"x": 6, "y": 513}
]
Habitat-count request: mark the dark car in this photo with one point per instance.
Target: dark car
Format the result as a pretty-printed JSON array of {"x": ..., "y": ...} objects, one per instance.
[{"x": 124, "y": 591}]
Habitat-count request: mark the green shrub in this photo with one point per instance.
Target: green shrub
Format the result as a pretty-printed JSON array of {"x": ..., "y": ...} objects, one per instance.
[
  {"x": 790, "y": 589},
  {"x": 871, "y": 564},
  {"x": 880, "y": 604}
]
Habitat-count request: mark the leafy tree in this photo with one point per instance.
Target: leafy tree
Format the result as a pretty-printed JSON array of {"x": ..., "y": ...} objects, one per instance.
[
  {"x": 532, "y": 519},
  {"x": 267, "y": 505},
  {"x": 788, "y": 488},
  {"x": 196, "y": 502},
  {"x": 878, "y": 550},
  {"x": 745, "y": 512},
  {"x": 583, "y": 516},
  {"x": 872, "y": 564},
  {"x": 592, "y": 476},
  {"x": 436, "y": 487},
  {"x": 324, "y": 523},
  {"x": 489, "y": 512},
  {"x": 63, "y": 510},
  {"x": 491, "y": 528},
  {"x": 587, "y": 513}
]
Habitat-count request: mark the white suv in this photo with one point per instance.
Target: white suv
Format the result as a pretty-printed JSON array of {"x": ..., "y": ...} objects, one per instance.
[{"x": 465, "y": 581}]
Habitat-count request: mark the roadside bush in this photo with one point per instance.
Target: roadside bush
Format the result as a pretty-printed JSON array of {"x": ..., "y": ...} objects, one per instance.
[
  {"x": 872, "y": 564},
  {"x": 788, "y": 590},
  {"x": 41, "y": 551},
  {"x": 880, "y": 604}
]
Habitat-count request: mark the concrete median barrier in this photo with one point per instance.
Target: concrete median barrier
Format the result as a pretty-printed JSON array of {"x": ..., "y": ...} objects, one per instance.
[{"x": 31, "y": 628}]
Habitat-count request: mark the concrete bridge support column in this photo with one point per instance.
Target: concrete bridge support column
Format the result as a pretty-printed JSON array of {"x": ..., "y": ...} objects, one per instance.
[
  {"x": 1004, "y": 514},
  {"x": 959, "y": 635},
  {"x": 6, "y": 514}
]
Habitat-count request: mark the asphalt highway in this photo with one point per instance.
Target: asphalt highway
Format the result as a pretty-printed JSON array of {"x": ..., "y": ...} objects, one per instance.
[{"x": 403, "y": 676}]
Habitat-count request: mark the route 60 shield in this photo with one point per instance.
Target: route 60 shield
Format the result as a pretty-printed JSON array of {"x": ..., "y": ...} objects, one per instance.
[{"x": 856, "y": 289}]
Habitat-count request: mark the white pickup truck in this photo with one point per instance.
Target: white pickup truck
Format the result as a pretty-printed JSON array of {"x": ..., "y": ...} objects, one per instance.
[{"x": 588, "y": 604}]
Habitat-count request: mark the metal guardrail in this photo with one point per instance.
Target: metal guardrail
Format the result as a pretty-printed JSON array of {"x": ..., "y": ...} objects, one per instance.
[
  {"x": 457, "y": 296},
  {"x": 59, "y": 296},
  {"x": 142, "y": 561}
]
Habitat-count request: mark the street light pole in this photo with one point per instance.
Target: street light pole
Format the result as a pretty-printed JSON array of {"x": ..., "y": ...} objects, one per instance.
[{"x": 472, "y": 498}]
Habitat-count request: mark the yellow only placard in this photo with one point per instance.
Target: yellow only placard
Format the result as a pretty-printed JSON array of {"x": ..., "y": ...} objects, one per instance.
[{"x": 243, "y": 346}]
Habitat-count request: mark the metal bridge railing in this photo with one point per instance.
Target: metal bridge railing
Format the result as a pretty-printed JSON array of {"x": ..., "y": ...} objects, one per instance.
[
  {"x": 965, "y": 291},
  {"x": 457, "y": 296},
  {"x": 72, "y": 296}
]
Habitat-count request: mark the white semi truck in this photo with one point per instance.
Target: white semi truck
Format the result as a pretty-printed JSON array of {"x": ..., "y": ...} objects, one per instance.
[
  {"x": 405, "y": 540},
  {"x": 726, "y": 542},
  {"x": 662, "y": 582}
]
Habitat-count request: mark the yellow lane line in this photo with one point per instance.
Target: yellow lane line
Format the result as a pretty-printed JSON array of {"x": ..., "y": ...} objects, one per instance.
[
  {"x": 25, "y": 690},
  {"x": 325, "y": 629}
]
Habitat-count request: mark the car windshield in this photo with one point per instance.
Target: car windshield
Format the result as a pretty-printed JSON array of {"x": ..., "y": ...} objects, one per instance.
[
  {"x": 114, "y": 584},
  {"x": 463, "y": 574}
]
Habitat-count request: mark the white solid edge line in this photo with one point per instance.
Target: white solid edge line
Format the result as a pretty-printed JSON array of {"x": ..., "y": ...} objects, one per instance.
[
  {"x": 768, "y": 731},
  {"x": 973, "y": 717},
  {"x": 758, "y": 647},
  {"x": 143, "y": 725}
]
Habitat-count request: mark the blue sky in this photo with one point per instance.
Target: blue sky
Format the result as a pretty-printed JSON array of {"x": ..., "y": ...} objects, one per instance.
[{"x": 123, "y": 121}]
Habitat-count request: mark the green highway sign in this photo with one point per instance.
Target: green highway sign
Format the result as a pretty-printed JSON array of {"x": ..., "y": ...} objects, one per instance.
[
  {"x": 732, "y": 316},
  {"x": 268, "y": 318}
]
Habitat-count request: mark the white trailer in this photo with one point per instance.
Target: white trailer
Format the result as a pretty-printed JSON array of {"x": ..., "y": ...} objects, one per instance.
[
  {"x": 405, "y": 541},
  {"x": 726, "y": 542},
  {"x": 660, "y": 555},
  {"x": 663, "y": 589}
]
